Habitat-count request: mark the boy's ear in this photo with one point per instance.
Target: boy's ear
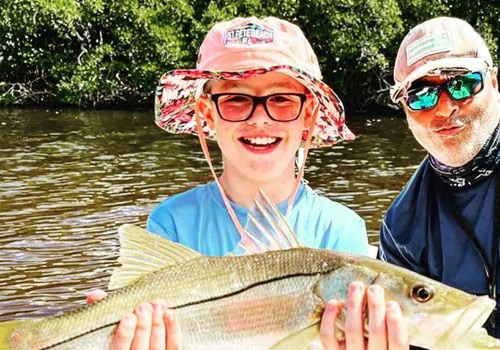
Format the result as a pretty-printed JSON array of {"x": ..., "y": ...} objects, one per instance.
[
  {"x": 309, "y": 110},
  {"x": 204, "y": 106}
]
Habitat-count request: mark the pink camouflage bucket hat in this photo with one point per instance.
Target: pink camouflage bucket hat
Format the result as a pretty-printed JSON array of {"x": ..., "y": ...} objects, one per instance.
[{"x": 244, "y": 48}]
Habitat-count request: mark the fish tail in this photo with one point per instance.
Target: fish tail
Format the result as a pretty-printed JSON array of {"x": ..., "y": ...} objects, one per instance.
[{"x": 10, "y": 334}]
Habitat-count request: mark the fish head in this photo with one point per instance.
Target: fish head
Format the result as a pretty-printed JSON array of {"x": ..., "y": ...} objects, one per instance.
[{"x": 436, "y": 315}]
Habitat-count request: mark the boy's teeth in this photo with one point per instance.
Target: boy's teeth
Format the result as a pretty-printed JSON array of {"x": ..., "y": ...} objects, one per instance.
[{"x": 261, "y": 140}]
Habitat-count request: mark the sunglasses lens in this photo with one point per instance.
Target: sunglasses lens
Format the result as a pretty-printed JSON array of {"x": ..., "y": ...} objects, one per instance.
[
  {"x": 424, "y": 98},
  {"x": 284, "y": 107},
  {"x": 465, "y": 86},
  {"x": 233, "y": 107}
]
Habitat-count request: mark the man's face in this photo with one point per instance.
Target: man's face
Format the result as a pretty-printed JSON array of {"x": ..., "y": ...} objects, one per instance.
[
  {"x": 454, "y": 131},
  {"x": 258, "y": 148}
]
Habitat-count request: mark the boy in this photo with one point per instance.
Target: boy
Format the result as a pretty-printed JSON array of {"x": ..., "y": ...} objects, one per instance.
[{"x": 257, "y": 91}]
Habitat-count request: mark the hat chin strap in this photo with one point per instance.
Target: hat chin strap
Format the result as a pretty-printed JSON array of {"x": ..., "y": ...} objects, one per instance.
[
  {"x": 246, "y": 240},
  {"x": 300, "y": 174}
]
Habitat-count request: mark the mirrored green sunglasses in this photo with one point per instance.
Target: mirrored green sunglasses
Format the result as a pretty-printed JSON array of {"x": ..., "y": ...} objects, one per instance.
[{"x": 459, "y": 88}]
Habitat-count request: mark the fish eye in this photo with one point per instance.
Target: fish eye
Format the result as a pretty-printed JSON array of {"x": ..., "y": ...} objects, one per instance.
[{"x": 422, "y": 293}]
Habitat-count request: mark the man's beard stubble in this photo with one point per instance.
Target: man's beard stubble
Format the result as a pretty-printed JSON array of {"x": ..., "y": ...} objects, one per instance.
[{"x": 475, "y": 139}]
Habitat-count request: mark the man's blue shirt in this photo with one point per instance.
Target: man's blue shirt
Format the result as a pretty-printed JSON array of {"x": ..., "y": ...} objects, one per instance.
[
  {"x": 420, "y": 233},
  {"x": 198, "y": 219}
]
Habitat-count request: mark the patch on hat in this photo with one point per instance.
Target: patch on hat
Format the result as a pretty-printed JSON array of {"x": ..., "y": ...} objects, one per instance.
[
  {"x": 247, "y": 35},
  {"x": 427, "y": 45}
]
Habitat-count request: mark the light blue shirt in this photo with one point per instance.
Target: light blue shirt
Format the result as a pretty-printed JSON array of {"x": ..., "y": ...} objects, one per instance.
[{"x": 199, "y": 220}]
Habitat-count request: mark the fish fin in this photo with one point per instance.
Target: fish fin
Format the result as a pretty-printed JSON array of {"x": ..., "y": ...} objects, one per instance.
[
  {"x": 266, "y": 228},
  {"x": 299, "y": 340},
  {"x": 7, "y": 330},
  {"x": 142, "y": 252}
]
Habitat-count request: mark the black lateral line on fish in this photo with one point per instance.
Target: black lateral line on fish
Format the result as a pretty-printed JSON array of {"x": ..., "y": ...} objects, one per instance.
[
  {"x": 246, "y": 288},
  {"x": 196, "y": 303}
]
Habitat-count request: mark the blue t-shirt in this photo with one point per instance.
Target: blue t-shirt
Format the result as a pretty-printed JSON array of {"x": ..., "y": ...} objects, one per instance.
[
  {"x": 199, "y": 220},
  {"x": 420, "y": 233}
]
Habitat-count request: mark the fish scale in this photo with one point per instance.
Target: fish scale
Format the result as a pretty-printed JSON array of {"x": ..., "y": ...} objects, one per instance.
[
  {"x": 256, "y": 318},
  {"x": 271, "y": 300}
]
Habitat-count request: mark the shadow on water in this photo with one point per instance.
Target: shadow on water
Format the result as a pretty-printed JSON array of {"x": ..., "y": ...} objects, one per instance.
[{"x": 69, "y": 178}]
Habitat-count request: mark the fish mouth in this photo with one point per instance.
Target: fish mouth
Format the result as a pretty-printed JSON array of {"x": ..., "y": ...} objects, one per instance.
[{"x": 471, "y": 321}]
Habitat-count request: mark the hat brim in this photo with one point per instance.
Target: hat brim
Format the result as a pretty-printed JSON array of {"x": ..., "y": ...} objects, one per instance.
[
  {"x": 449, "y": 64},
  {"x": 178, "y": 91}
]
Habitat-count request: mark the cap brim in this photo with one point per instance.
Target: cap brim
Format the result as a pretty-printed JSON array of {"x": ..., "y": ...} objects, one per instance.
[
  {"x": 449, "y": 64},
  {"x": 179, "y": 89}
]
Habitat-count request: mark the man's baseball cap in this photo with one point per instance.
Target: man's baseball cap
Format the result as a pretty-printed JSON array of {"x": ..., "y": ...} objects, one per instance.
[
  {"x": 437, "y": 46},
  {"x": 243, "y": 48}
]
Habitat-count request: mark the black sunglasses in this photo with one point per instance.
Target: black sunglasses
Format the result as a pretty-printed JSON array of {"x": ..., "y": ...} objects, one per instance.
[{"x": 459, "y": 88}]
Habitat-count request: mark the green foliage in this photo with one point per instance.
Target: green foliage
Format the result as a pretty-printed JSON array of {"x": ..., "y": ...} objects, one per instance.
[
  {"x": 90, "y": 52},
  {"x": 112, "y": 52},
  {"x": 353, "y": 39}
]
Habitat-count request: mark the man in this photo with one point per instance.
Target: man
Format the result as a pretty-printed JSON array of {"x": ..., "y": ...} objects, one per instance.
[
  {"x": 257, "y": 90},
  {"x": 445, "y": 222}
]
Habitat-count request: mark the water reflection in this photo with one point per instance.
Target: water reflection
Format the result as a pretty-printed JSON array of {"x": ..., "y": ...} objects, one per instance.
[{"x": 69, "y": 178}]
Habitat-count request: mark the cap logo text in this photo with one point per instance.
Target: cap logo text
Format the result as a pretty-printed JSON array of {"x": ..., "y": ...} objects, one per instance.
[
  {"x": 427, "y": 45},
  {"x": 247, "y": 35}
]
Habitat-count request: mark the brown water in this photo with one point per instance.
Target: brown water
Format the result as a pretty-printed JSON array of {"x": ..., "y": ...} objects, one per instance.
[{"x": 69, "y": 178}]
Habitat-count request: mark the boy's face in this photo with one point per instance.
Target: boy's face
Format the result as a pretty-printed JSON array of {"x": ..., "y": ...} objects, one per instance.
[{"x": 258, "y": 148}]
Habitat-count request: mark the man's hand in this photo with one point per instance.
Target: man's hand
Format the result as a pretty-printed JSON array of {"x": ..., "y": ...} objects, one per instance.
[
  {"x": 387, "y": 329},
  {"x": 151, "y": 326}
]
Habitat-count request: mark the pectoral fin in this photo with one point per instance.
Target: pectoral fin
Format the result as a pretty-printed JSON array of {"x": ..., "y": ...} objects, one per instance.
[{"x": 300, "y": 340}]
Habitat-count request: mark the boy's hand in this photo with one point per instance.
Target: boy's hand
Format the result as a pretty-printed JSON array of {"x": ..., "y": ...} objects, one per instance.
[
  {"x": 387, "y": 328},
  {"x": 151, "y": 326}
]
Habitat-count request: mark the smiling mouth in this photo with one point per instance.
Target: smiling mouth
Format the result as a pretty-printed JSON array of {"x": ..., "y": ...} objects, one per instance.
[{"x": 260, "y": 142}]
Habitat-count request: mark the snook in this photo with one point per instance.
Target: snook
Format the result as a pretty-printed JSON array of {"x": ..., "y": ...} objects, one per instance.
[{"x": 273, "y": 300}]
